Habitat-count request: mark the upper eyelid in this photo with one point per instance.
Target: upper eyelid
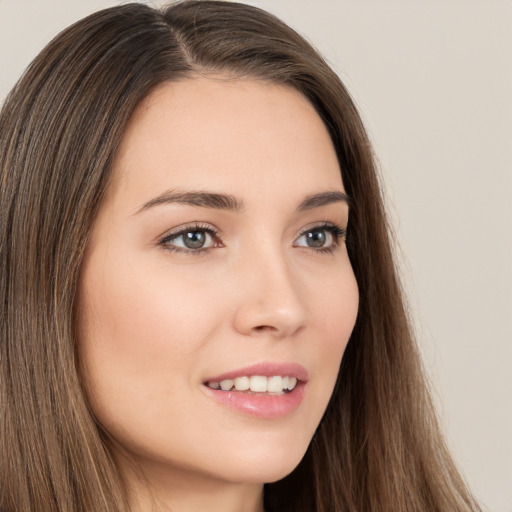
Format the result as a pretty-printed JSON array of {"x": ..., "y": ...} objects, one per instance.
[
  {"x": 164, "y": 241},
  {"x": 322, "y": 224},
  {"x": 340, "y": 229},
  {"x": 194, "y": 226},
  {"x": 199, "y": 226}
]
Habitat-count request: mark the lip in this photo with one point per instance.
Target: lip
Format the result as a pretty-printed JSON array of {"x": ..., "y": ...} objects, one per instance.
[
  {"x": 261, "y": 405},
  {"x": 266, "y": 369}
]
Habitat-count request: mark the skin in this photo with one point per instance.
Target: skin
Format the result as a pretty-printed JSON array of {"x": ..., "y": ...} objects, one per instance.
[{"x": 155, "y": 323}]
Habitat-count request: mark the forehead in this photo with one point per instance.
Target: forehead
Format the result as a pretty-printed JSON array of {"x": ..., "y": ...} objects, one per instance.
[{"x": 239, "y": 135}]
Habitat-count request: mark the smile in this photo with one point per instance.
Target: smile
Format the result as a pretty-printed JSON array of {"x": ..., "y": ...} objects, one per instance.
[
  {"x": 265, "y": 390},
  {"x": 256, "y": 384}
]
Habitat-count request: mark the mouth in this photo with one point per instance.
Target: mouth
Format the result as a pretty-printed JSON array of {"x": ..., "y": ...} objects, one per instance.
[
  {"x": 264, "y": 390},
  {"x": 275, "y": 385}
]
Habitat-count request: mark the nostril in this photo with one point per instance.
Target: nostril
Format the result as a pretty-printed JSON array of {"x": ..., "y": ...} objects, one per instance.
[{"x": 263, "y": 328}]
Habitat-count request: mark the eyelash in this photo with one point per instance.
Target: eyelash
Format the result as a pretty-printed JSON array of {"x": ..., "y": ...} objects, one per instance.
[
  {"x": 337, "y": 233},
  {"x": 164, "y": 242}
]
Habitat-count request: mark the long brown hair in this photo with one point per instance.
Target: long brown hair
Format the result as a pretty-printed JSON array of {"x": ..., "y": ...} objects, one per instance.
[{"x": 378, "y": 446}]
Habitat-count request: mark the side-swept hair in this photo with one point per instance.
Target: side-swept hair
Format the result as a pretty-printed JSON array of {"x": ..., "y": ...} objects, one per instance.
[{"x": 378, "y": 447}]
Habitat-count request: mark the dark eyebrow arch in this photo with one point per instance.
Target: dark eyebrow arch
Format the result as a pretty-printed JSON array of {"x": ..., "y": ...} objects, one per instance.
[
  {"x": 201, "y": 199},
  {"x": 231, "y": 203},
  {"x": 323, "y": 199}
]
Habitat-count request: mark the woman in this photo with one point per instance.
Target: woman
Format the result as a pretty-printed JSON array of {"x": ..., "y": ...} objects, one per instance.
[{"x": 201, "y": 310}]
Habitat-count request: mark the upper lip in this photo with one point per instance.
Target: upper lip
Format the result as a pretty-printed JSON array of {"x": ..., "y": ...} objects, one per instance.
[{"x": 265, "y": 369}]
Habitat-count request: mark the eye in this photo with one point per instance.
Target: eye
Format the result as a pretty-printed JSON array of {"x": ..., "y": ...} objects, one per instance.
[
  {"x": 191, "y": 239},
  {"x": 324, "y": 237}
]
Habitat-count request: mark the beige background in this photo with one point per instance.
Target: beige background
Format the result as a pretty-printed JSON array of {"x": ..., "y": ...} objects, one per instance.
[{"x": 433, "y": 80}]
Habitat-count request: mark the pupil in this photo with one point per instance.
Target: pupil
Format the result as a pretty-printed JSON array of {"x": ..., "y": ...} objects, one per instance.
[
  {"x": 194, "y": 239},
  {"x": 316, "y": 238}
]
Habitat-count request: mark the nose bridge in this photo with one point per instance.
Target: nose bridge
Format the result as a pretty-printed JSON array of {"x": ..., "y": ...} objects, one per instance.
[{"x": 270, "y": 300}]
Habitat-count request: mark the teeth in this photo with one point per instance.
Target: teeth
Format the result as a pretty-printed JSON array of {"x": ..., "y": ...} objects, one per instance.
[
  {"x": 226, "y": 384},
  {"x": 292, "y": 382},
  {"x": 275, "y": 384},
  {"x": 256, "y": 384},
  {"x": 242, "y": 383}
]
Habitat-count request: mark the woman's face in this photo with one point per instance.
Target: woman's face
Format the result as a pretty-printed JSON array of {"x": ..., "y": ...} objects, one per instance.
[{"x": 218, "y": 260}]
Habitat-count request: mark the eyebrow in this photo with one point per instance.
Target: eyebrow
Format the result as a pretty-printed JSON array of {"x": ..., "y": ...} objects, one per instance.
[
  {"x": 323, "y": 199},
  {"x": 232, "y": 203},
  {"x": 202, "y": 199}
]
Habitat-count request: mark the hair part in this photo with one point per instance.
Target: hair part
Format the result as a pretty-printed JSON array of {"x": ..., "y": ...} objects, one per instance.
[{"x": 378, "y": 446}]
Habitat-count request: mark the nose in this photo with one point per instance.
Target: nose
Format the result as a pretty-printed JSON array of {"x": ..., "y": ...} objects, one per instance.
[{"x": 269, "y": 298}]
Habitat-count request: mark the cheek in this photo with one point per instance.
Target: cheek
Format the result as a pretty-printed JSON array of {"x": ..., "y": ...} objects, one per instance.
[
  {"x": 137, "y": 312},
  {"x": 335, "y": 311},
  {"x": 140, "y": 333}
]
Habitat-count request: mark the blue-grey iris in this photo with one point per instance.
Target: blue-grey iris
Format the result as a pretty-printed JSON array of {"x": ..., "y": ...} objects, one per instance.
[
  {"x": 194, "y": 239},
  {"x": 316, "y": 238}
]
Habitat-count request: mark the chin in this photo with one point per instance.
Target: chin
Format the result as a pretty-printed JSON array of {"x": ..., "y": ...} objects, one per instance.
[{"x": 264, "y": 467}]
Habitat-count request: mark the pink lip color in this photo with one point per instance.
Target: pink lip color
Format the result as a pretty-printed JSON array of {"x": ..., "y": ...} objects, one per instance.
[{"x": 262, "y": 405}]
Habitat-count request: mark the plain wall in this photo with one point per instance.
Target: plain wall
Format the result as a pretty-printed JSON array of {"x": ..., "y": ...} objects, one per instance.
[{"x": 433, "y": 80}]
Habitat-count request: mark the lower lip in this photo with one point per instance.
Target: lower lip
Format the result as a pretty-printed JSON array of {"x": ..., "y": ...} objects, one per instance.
[{"x": 260, "y": 405}]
